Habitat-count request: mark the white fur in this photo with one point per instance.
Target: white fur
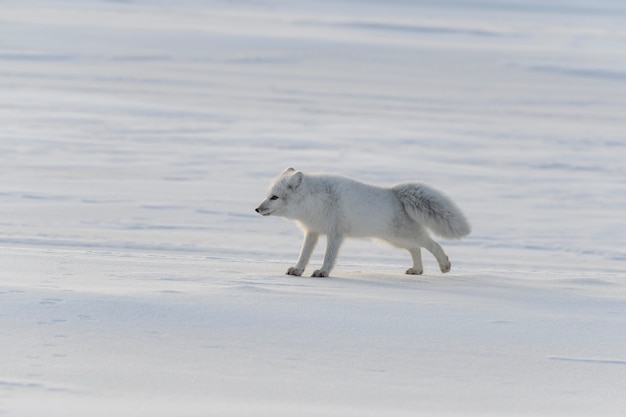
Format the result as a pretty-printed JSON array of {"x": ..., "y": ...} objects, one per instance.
[{"x": 340, "y": 207}]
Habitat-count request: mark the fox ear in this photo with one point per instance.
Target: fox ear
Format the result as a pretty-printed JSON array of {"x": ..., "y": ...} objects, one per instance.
[
  {"x": 296, "y": 180},
  {"x": 288, "y": 171}
]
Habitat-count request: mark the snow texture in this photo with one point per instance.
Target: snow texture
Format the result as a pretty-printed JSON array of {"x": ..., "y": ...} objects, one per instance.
[{"x": 137, "y": 137}]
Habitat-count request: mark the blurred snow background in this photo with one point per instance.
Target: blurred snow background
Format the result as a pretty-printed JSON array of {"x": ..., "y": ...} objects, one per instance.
[{"x": 136, "y": 138}]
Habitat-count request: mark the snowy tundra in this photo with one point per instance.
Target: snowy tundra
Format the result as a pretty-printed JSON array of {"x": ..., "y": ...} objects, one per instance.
[
  {"x": 340, "y": 207},
  {"x": 136, "y": 137}
]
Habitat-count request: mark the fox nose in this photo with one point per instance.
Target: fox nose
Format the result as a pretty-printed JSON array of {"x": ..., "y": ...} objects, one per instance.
[{"x": 256, "y": 209}]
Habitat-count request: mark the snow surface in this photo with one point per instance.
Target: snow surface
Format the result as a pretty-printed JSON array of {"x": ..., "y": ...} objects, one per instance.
[{"x": 136, "y": 138}]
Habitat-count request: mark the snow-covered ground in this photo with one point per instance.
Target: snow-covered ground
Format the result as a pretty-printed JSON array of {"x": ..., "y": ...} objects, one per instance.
[{"x": 136, "y": 138}]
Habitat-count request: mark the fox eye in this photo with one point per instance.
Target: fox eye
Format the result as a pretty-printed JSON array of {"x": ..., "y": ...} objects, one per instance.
[{"x": 274, "y": 197}]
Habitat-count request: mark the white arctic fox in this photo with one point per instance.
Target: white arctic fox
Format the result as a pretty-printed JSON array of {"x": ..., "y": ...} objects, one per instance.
[{"x": 340, "y": 207}]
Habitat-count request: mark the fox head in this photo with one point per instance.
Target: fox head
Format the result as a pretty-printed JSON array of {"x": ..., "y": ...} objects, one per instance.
[{"x": 282, "y": 192}]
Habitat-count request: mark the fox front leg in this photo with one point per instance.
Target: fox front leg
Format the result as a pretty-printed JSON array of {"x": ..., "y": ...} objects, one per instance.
[
  {"x": 310, "y": 240},
  {"x": 333, "y": 244}
]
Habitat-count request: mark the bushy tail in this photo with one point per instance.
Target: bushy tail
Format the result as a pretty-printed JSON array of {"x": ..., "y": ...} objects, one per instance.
[{"x": 433, "y": 209}]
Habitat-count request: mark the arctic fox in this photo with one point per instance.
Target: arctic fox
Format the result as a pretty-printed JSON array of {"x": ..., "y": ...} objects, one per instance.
[{"x": 340, "y": 207}]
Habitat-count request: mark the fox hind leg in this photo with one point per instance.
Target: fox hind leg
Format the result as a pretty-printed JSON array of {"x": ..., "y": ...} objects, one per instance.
[
  {"x": 416, "y": 255},
  {"x": 437, "y": 251}
]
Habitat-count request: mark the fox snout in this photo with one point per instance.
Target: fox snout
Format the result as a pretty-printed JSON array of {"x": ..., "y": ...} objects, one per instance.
[{"x": 263, "y": 211}]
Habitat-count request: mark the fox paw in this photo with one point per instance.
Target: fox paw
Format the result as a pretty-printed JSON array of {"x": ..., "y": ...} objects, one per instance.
[
  {"x": 295, "y": 271},
  {"x": 319, "y": 274},
  {"x": 445, "y": 267},
  {"x": 413, "y": 271}
]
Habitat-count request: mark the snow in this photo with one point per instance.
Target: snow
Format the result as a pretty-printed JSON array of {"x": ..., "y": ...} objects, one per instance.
[{"x": 136, "y": 138}]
